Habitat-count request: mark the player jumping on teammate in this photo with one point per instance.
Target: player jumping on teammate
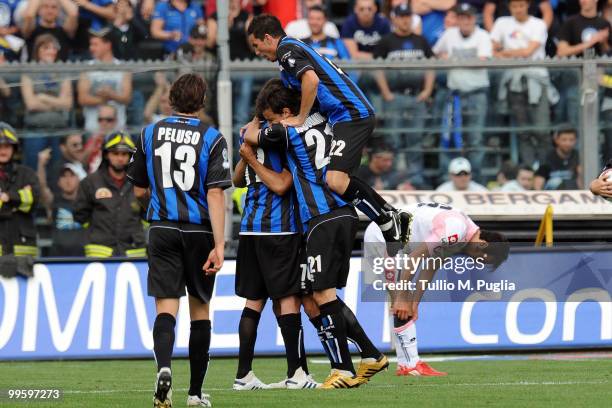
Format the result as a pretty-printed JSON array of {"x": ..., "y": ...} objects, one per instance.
[{"x": 348, "y": 111}]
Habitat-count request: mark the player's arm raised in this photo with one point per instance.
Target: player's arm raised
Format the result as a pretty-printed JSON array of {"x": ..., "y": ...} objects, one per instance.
[{"x": 279, "y": 183}]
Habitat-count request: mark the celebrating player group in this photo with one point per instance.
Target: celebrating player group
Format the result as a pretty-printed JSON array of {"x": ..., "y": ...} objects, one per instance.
[{"x": 298, "y": 223}]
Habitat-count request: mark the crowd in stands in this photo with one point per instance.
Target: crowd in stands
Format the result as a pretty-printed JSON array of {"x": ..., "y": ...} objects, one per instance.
[{"x": 535, "y": 100}]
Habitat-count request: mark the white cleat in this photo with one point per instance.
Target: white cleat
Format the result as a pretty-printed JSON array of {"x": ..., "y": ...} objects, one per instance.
[
  {"x": 248, "y": 383},
  {"x": 279, "y": 385},
  {"x": 195, "y": 401},
  {"x": 301, "y": 381}
]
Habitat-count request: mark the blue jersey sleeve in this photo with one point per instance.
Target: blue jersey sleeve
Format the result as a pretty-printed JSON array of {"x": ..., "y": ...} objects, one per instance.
[
  {"x": 160, "y": 11},
  {"x": 218, "y": 173},
  {"x": 293, "y": 59}
]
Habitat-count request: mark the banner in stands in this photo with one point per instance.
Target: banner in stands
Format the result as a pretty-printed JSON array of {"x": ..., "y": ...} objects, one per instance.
[
  {"x": 101, "y": 310},
  {"x": 522, "y": 205}
]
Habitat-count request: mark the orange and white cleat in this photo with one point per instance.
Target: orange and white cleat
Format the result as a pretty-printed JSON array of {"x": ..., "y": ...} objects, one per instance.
[{"x": 421, "y": 369}]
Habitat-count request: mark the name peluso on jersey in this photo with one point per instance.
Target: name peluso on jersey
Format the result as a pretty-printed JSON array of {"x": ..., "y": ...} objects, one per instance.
[{"x": 170, "y": 134}]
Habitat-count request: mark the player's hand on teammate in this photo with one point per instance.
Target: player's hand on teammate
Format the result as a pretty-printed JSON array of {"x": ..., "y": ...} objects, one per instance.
[
  {"x": 215, "y": 260},
  {"x": 247, "y": 153},
  {"x": 294, "y": 121}
]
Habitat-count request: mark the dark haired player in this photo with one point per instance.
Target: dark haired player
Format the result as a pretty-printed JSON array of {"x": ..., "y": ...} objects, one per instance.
[
  {"x": 181, "y": 168},
  {"x": 330, "y": 226},
  {"x": 438, "y": 230},
  {"x": 267, "y": 264},
  {"x": 348, "y": 111}
]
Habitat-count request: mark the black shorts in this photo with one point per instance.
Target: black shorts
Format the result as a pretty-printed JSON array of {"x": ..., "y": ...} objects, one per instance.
[
  {"x": 329, "y": 243},
  {"x": 267, "y": 266},
  {"x": 350, "y": 138},
  {"x": 177, "y": 253}
]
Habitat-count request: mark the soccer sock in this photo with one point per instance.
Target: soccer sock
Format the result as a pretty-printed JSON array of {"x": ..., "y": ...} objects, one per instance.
[
  {"x": 291, "y": 329},
  {"x": 199, "y": 344},
  {"x": 364, "y": 197},
  {"x": 247, "y": 332},
  {"x": 163, "y": 339},
  {"x": 333, "y": 328},
  {"x": 357, "y": 335},
  {"x": 406, "y": 341}
]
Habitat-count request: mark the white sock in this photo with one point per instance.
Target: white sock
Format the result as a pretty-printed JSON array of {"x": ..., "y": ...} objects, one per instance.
[{"x": 406, "y": 345}]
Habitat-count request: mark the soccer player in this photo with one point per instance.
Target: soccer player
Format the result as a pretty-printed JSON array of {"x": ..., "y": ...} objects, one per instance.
[
  {"x": 348, "y": 111},
  {"x": 600, "y": 186},
  {"x": 267, "y": 264},
  {"x": 438, "y": 230},
  {"x": 181, "y": 168},
  {"x": 329, "y": 227}
]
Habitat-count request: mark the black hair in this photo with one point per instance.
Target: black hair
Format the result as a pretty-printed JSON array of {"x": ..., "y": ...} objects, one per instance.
[
  {"x": 509, "y": 170},
  {"x": 266, "y": 24},
  {"x": 525, "y": 167},
  {"x": 497, "y": 249},
  {"x": 566, "y": 128},
  {"x": 318, "y": 8},
  {"x": 188, "y": 93},
  {"x": 275, "y": 96}
]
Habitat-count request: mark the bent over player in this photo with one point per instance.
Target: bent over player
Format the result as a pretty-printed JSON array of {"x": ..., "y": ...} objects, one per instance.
[
  {"x": 181, "y": 165},
  {"x": 438, "y": 230},
  {"x": 348, "y": 111},
  {"x": 329, "y": 227}
]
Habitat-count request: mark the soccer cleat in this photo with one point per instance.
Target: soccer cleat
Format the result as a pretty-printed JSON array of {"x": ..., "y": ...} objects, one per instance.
[
  {"x": 248, "y": 383},
  {"x": 163, "y": 389},
  {"x": 300, "y": 381},
  {"x": 278, "y": 385},
  {"x": 405, "y": 226},
  {"x": 421, "y": 369},
  {"x": 340, "y": 379},
  {"x": 195, "y": 401},
  {"x": 369, "y": 367}
]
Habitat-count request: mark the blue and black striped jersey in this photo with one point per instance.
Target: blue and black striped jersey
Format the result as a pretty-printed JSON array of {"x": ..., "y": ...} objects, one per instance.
[
  {"x": 338, "y": 97},
  {"x": 180, "y": 158},
  {"x": 264, "y": 211},
  {"x": 308, "y": 150}
]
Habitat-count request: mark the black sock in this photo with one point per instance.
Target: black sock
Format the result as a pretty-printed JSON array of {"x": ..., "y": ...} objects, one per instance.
[
  {"x": 247, "y": 332},
  {"x": 316, "y": 323},
  {"x": 333, "y": 328},
  {"x": 364, "y": 197},
  {"x": 291, "y": 329},
  {"x": 357, "y": 335},
  {"x": 199, "y": 344},
  {"x": 163, "y": 339}
]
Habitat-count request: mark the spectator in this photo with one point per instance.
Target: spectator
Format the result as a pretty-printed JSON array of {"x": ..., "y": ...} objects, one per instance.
[
  {"x": 469, "y": 87},
  {"x": 301, "y": 29},
  {"x": 42, "y": 17},
  {"x": 196, "y": 47},
  {"x": 514, "y": 178},
  {"x": 528, "y": 91},
  {"x": 106, "y": 201},
  {"x": 363, "y": 29},
  {"x": 494, "y": 9},
  {"x": 94, "y": 15},
  {"x": 97, "y": 88},
  {"x": 240, "y": 49},
  {"x": 561, "y": 170},
  {"x": 107, "y": 123},
  {"x": 389, "y": 5},
  {"x": 172, "y": 22},
  {"x": 71, "y": 152},
  {"x": 48, "y": 100},
  {"x": 330, "y": 47},
  {"x": 460, "y": 173},
  {"x": 158, "y": 106},
  {"x": 19, "y": 196},
  {"x": 7, "y": 17},
  {"x": 405, "y": 93},
  {"x": 127, "y": 31},
  {"x": 67, "y": 234},
  {"x": 433, "y": 14},
  {"x": 285, "y": 11},
  {"x": 380, "y": 172}
]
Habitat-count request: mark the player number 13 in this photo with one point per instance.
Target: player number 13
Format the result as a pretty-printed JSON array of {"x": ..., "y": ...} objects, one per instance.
[{"x": 186, "y": 157}]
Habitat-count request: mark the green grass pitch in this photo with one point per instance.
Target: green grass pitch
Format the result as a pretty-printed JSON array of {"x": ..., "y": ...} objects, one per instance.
[{"x": 128, "y": 383}]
